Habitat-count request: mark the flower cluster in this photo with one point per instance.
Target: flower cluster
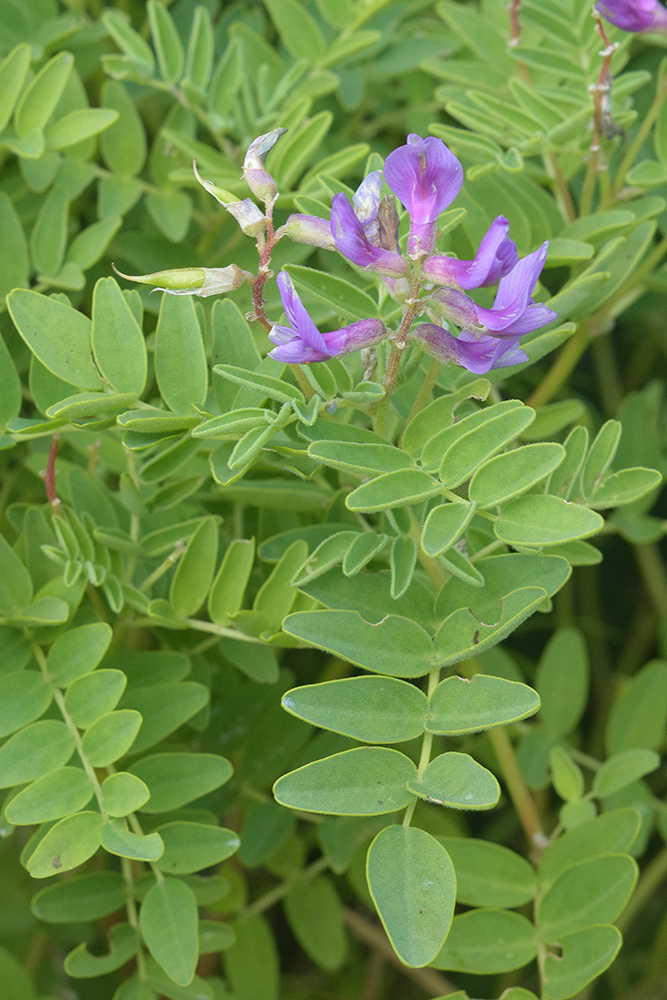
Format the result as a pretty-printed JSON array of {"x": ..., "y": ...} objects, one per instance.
[
  {"x": 432, "y": 288},
  {"x": 634, "y": 15},
  {"x": 426, "y": 177}
]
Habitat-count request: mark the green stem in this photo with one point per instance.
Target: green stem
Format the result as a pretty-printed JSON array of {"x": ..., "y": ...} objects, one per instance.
[
  {"x": 424, "y": 394},
  {"x": 516, "y": 786},
  {"x": 653, "y": 574},
  {"x": 281, "y": 890},
  {"x": 427, "y": 746},
  {"x": 173, "y": 557},
  {"x": 562, "y": 368},
  {"x": 59, "y": 699},
  {"x": 131, "y": 910}
]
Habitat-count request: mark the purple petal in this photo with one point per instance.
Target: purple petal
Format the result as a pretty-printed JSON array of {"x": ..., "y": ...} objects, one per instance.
[
  {"x": 352, "y": 242},
  {"x": 297, "y": 315},
  {"x": 425, "y": 176},
  {"x": 296, "y": 353},
  {"x": 514, "y": 292},
  {"x": 533, "y": 318},
  {"x": 495, "y": 257},
  {"x": 634, "y": 15},
  {"x": 479, "y": 354}
]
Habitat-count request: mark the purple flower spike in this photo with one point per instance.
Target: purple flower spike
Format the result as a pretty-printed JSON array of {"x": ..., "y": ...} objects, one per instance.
[
  {"x": 426, "y": 177},
  {"x": 514, "y": 312},
  {"x": 495, "y": 258},
  {"x": 351, "y": 240},
  {"x": 479, "y": 354},
  {"x": 634, "y": 15},
  {"x": 302, "y": 343}
]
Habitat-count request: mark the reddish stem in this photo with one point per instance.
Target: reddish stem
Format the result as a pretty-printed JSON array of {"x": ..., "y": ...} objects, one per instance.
[
  {"x": 50, "y": 476},
  {"x": 513, "y": 8},
  {"x": 265, "y": 251}
]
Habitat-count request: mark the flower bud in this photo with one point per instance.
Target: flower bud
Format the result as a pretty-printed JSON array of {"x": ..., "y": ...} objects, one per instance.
[
  {"x": 249, "y": 217},
  {"x": 308, "y": 229},
  {"x": 260, "y": 182},
  {"x": 201, "y": 281}
]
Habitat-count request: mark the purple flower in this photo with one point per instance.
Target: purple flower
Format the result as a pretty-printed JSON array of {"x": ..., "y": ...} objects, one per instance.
[
  {"x": 301, "y": 342},
  {"x": 495, "y": 257},
  {"x": 479, "y": 354},
  {"x": 634, "y": 15},
  {"x": 351, "y": 240},
  {"x": 513, "y": 313},
  {"x": 426, "y": 177}
]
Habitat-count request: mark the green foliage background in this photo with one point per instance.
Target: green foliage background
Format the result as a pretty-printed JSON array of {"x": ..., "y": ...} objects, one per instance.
[{"x": 220, "y": 803}]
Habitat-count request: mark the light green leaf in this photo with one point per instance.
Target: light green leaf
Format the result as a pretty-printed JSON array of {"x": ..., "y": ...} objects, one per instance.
[
  {"x": 78, "y": 125},
  {"x": 194, "y": 572},
  {"x": 403, "y": 488},
  {"x": 175, "y": 779},
  {"x": 110, "y": 737},
  {"x": 164, "y": 707},
  {"x": 265, "y": 385},
  {"x": 372, "y": 709},
  {"x": 395, "y": 646},
  {"x": 366, "y": 781},
  {"x": 189, "y": 847},
  {"x": 457, "y": 781},
  {"x": 40, "y": 97},
  {"x": 488, "y": 941},
  {"x": 460, "y": 706},
  {"x": 167, "y": 43},
  {"x": 57, "y": 794},
  {"x": 539, "y": 519},
  {"x": 66, "y": 845},
  {"x": 445, "y": 525},
  {"x": 514, "y": 472},
  {"x": 14, "y": 263},
  {"x": 94, "y": 695},
  {"x": 177, "y": 336},
  {"x": 622, "y": 769},
  {"x": 592, "y": 892},
  {"x": 412, "y": 882},
  {"x": 360, "y": 459},
  {"x": 169, "y": 924},
  {"x": 35, "y": 751},
  {"x": 13, "y": 70},
  {"x": 229, "y": 586},
  {"x": 488, "y": 874},
  {"x": 124, "y": 943},
  {"x": 562, "y": 681},
  {"x": 118, "y": 343},
  {"x": 639, "y": 716},
  {"x": 252, "y": 964},
  {"x": 612, "y": 832},
  {"x": 315, "y": 915},
  {"x": 462, "y": 634},
  {"x": 124, "y": 144},
  {"x": 585, "y": 955},
  {"x": 24, "y": 696},
  {"x": 298, "y": 31},
  {"x": 117, "y": 839},
  {"x": 57, "y": 334},
  {"x": 81, "y": 898},
  {"x": 77, "y": 652},
  {"x": 123, "y": 793}
]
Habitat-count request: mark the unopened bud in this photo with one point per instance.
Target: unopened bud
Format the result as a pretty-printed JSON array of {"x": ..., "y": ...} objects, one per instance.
[
  {"x": 387, "y": 218},
  {"x": 260, "y": 182},
  {"x": 220, "y": 194},
  {"x": 201, "y": 281},
  {"x": 308, "y": 229},
  {"x": 249, "y": 217},
  {"x": 366, "y": 198}
]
